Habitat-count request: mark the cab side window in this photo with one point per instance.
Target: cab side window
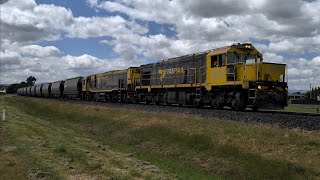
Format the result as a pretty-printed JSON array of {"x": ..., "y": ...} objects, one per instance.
[
  {"x": 214, "y": 61},
  {"x": 222, "y": 59},
  {"x": 218, "y": 60}
]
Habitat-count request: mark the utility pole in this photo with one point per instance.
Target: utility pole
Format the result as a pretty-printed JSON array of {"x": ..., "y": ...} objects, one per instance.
[{"x": 310, "y": 92}]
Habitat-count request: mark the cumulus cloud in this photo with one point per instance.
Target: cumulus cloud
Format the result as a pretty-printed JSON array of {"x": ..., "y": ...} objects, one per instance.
[
  {"x": 84, "y": 27},
  {"x": 50, "y": 65},
  {"x": 26, "y": 22},
  {"x": 39, "y": 51},
  {"x": 215, "y": 8},
  {"x": 286, "y": 27},
  {"x": 10, "y": 58},
  {"x": 277, "y": 27},
  {"x": 273, "y": 57},
  {"x": 297, "y": 45}
]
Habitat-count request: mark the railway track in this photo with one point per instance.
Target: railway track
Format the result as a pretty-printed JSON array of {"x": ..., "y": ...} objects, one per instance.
[
  {"x": 290, "y": 113},
  {"x": 305, "y": 121}
]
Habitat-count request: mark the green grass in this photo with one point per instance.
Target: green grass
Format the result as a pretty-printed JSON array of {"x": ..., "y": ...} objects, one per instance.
[
  {"x": 304, "y": 108},
  {"x": 153, "y": 145}
]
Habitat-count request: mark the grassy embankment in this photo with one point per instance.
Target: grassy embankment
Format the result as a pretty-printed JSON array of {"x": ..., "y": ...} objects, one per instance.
[
  {"x": 52, "y": 139},
  {"x": 304, "y": 108}
]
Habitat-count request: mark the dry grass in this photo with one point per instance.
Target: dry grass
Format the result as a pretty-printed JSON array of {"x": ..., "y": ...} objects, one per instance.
[
  {"x": 187, "y": 146},
  {"x": 34, "y": 148},
  {"x": 305, "y": 108}
]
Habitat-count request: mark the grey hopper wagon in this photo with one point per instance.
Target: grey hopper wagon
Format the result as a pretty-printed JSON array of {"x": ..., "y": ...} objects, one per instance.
[
  {"x": 33, "y": 90},
  {"x": 28, "y": 91},
  {"x": 73, "y": 88},
  {"x": 39, "y": 90},
  {"x": 46, "y": 90},
  {"x": 57, "y": 89}
]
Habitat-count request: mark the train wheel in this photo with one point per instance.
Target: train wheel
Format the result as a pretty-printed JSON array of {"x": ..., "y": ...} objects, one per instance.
[
  {"x": 220, "y": 106},
  {"x": 254, "y": 108},
  {"x": 242, "y": 108}
]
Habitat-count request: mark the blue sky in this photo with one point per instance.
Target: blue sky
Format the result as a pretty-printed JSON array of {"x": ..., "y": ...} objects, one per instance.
[
  {"x": 88, "y": 36},
  {"x": 79, "y": 46}
]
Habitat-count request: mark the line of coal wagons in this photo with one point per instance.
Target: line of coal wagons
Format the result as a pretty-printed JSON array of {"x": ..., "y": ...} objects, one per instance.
[{"x": 70, "y": 88}]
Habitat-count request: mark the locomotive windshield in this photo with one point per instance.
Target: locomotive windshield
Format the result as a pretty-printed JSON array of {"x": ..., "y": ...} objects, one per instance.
[
  {"x": 248, "y": 58},
  {"x": 233, "y": 57}
]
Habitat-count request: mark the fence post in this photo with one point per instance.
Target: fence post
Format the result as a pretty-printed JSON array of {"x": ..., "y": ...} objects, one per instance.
[{"x": 3, "y": 115}]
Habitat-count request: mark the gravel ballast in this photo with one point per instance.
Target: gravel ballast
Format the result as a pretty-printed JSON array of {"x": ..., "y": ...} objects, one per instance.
[{"x": 284, "y": 120}]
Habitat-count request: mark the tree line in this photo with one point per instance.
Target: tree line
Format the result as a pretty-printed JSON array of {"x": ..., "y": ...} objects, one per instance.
[
  {"x": 313, "y": 93},
  {"x": 14, "y": 87}
]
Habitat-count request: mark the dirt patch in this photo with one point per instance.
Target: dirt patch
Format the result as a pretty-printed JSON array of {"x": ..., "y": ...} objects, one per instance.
[
  {"x": 92, "y": 129},
  {"x": 9, "y": 148},
  {"x": 98, "y": 145},
  {"x": 138, "y": 124},
  {"x": 67, "y": 163},
  {"x": 81, "y": 177},
  {"x": 38, "y": 174}
]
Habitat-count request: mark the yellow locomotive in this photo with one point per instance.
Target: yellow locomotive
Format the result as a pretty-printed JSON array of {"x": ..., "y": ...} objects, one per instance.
[
  {"x": 233, "y": 76},
  {"x": 115, "y": 86}
]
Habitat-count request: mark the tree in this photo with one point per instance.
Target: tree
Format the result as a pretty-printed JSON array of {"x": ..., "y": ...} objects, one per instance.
[
  {"x": 14, "y": 87},
  {"x": 31, "y": 80},
  {"x": 314, "y": 92},
  {"x": 23, "y": 84}
]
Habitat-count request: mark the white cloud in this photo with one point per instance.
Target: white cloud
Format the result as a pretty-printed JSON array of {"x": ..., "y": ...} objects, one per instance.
[
  {"x": 214, "y": 8},
  {"x": 272, "y": 57},
  {"x": 85, "y": 27},
  {"x": 297, "y": 45},
  {"x": 157, "y": 10},
  {"x": 39, "y": 51},
  {"x": 9, "y": 58},
  {"x": 290, "y": 27},
  {"x": 316, "y": 62},
  {"x": 25, "y": 22}
]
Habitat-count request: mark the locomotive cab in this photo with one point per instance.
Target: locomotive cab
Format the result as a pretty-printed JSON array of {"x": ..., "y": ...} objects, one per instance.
[{"x": 239, "y": 73}]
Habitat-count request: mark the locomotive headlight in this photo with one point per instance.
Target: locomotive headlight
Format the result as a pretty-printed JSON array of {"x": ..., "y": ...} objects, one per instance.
[{"x": 259, "y": 87}]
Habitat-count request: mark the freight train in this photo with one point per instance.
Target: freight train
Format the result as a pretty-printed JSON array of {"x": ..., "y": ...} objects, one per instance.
[{"x": 233, "y": 76}]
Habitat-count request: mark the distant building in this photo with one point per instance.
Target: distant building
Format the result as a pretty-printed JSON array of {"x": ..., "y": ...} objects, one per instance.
[
  {"x": 318, "y": 97},
  {"x": 3, "y": 91},
  {"x": 296, "y": 96}
]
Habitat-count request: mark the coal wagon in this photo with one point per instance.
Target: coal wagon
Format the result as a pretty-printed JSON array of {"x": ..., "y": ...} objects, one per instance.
[
  {"x": 73, "y": 88},
  {"x": 46, "y": 90},
  {"x": 57, "y": 89}
]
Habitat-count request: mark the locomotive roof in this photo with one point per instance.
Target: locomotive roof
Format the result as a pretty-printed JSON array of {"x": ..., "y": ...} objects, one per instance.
[
  {"x": 113, "y": 71},
  {"x": 57, "y": 81},
  {"x": 195, "y": 55},
  {"x": 187, "y": 57}
]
